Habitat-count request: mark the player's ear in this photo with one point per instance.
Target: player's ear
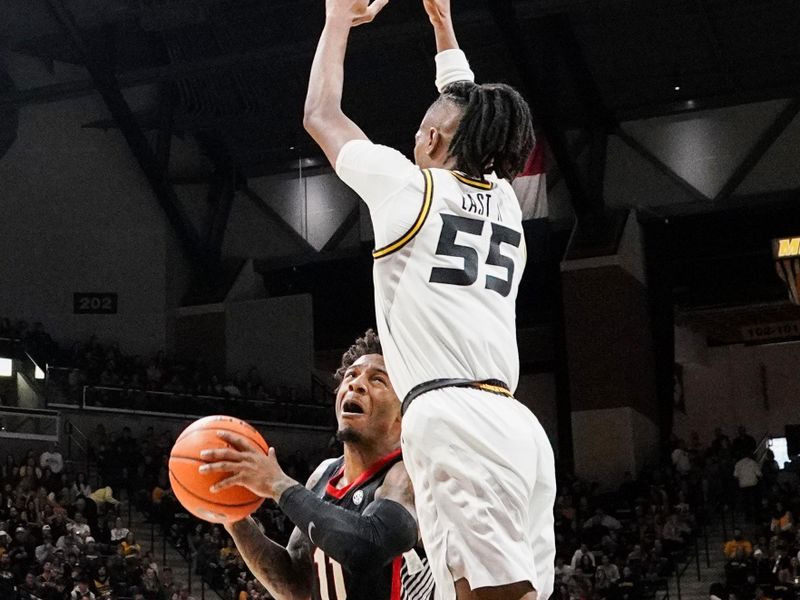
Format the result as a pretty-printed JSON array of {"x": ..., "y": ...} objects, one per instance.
[{"x": 433, "y": 140}]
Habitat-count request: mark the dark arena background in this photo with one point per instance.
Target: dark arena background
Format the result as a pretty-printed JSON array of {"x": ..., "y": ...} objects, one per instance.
[{"x": 173, "y": 245}]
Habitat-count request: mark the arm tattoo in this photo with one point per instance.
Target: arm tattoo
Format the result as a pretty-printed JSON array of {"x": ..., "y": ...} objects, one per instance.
[{"x": 285, "y": 572}]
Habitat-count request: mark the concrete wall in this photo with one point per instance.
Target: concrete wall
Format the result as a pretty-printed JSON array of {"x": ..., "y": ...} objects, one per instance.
[
  {"x": 276, "y": 335},
  {"x": 729, "y": 391},
  {"x": 78, "y": 216}
]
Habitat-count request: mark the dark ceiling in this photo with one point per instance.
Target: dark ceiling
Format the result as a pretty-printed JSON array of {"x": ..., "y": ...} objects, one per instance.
[
  {"x": 233, "y": 74},
  {"x": 238, "y": 69}
]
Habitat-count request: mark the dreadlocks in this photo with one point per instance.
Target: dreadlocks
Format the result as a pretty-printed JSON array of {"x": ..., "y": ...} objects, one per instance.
[
  {"x": 368, "y": 344},
  {"x": 495, "y": 132}
]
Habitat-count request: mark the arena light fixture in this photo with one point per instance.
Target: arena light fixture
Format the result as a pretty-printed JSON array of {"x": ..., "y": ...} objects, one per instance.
[
  {"x": 38, "y": 373},
  {"x": 6, "y": 367}
]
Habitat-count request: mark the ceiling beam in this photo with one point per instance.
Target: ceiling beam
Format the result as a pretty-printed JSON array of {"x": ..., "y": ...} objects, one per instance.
[
  {"x": 645, "y": 153},
  {"x": 759, "y": 149},
  {"x": 528, "y": 61},
  {"x": 104, "y": 80},
  {"x": 275, "y": 218},
  {"x": 350, "y": 221}
]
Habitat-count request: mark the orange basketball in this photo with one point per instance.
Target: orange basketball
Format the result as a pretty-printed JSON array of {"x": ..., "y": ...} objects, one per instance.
[{"x": 192, "y": 487}]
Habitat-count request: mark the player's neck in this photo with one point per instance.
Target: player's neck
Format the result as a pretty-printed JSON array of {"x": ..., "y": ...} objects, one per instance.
[{"x": 358, "y": 458}]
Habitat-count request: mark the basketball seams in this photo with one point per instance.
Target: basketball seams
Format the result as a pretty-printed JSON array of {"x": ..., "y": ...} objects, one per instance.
[
  {"x": 186, "y": 434},
  {"x": 191, "y": 458},
  {"x": 257, "y": 501},
  {"x": 206, "y": 421}
]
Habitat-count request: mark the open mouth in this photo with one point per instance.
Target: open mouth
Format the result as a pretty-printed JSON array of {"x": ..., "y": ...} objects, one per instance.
[{"x": 352, "y": 408}]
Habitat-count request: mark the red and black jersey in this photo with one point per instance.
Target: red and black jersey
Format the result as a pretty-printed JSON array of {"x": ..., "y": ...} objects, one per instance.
[{"x": 406, "y": 578}]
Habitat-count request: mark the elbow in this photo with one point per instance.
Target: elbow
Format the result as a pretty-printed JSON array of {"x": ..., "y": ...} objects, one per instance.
[
  {"x": 311, "y": 122},
  {"x": 368, "y": 558},
  {"x": 317, "y": 119},
  {"x": 313, "y": 117}
]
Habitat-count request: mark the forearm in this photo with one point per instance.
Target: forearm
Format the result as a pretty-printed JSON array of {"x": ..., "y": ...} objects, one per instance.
[
  {"x": 357, "y": 541},
  {"x": 271, "y": 563},
  {"x": 326, "y": 80},
  {"x": 445, "y": 33}
]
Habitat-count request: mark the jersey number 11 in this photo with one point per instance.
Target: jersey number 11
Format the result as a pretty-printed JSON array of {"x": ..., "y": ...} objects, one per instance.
[{"x": 331, "y": 577}]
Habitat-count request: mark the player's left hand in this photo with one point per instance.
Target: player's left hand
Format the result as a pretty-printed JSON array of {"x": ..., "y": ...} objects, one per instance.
[
  {"x": 358, "y": 11},
  {"x": 248, "y": 466}
]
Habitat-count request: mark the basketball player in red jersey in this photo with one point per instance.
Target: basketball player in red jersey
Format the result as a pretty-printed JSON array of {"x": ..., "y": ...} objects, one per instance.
[{"x": 356, "y": 531}]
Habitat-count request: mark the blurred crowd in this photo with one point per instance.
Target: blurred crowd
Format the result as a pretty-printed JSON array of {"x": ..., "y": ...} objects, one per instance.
[{"x": 65, "y": 535}]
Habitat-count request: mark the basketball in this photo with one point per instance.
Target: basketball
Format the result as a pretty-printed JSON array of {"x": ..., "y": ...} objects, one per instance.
[{"x": 192, "y": 487}]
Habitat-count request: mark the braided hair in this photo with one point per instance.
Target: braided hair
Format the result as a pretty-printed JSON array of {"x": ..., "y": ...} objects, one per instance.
[
  {"x": 369, "y": 343},
  {"x": 495, "y": 132}
]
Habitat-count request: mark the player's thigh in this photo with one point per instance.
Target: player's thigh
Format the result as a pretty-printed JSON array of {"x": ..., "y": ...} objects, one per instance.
[{"x": 521, "y": 590}]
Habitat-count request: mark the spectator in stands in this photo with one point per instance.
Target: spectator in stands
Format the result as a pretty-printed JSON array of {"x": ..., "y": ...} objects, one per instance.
[
  {"x": 231, "y": 389},
  {"x": 562, "y": 570},
  {"x": 717, "y": 592},
  {"x": 103, "y": 496},
  {"x": 739, "y": 541},
  {"x": 80, "y": 528},
  {"x": 579, "y": 554},
  {"x": 20, "y": 552},
  {"x": 28, "y": 589},
  {"x": 743, "y": 444},
  {"x": 739, "y": 568},
  {"x": 81, "y": 590},
  {"x": 52, "y": 459},
  {"x": 782, "y": 521},
  {"x": 154, "y": 375},
  {"x": 681, "y": 460},
  {"x": 129, "y": 548},
  {"x": 30, "y": 474},
  {"x": 6, "y": 577},
  {"x": 80, "y": 487},
  {"x": 601, "y": 520},
  {"x": 748, "y": 474},
  {"x": 102, "y": 583},
  {"x": 673, "y": 534},
  {"x": 628, "y": 586},
  {"x": 45, "y": 551},
  {"x": 150, "y": 585},
  {"x": 119, "y": 533}
]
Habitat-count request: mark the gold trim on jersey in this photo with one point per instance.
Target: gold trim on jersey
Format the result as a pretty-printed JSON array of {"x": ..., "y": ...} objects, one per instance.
[
  {"x": 495, "y": 389},
  {"x": 414, "y": 230},
  {"x": 478, "y": 183}
]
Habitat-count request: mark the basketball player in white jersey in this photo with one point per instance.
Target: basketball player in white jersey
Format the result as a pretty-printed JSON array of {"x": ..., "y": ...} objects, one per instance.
[{"x": 449, "y": 257}]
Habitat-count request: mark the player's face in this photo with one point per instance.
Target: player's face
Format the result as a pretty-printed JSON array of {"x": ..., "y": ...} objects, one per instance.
[{"x": 367, "y": 408}]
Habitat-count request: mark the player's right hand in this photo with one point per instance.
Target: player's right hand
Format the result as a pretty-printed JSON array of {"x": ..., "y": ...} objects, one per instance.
[
  {"x": 359, "y": 12},
  {"x": 247, "y": 465},
  {"x": 438, "y": 11}
]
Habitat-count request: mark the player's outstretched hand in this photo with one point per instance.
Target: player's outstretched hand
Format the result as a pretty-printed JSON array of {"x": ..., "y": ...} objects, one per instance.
[
  {"x": 438, "y": 11},
  {"x": 248, "y": 466},
  {"x": 358, "y": 11}
]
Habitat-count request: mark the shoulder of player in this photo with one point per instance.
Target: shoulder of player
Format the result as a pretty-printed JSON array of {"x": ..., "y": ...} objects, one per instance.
[
  {"x": 319, "y": 472},
  {"x": 396, "y": 485}
]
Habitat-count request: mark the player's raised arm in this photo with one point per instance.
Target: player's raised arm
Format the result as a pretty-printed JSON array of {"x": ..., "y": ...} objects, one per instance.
[
  {"x": 323, "y": 117},
  {"x": 451, "y": 63},
  {"x": 439, "y": 14}
]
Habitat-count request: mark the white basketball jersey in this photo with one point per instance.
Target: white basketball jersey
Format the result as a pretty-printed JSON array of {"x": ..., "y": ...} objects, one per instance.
[{"x": 449, "y": 258}]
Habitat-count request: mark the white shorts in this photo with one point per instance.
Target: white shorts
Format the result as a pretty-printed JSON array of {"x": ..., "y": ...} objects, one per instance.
[{"x": 484, "y": 483}]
